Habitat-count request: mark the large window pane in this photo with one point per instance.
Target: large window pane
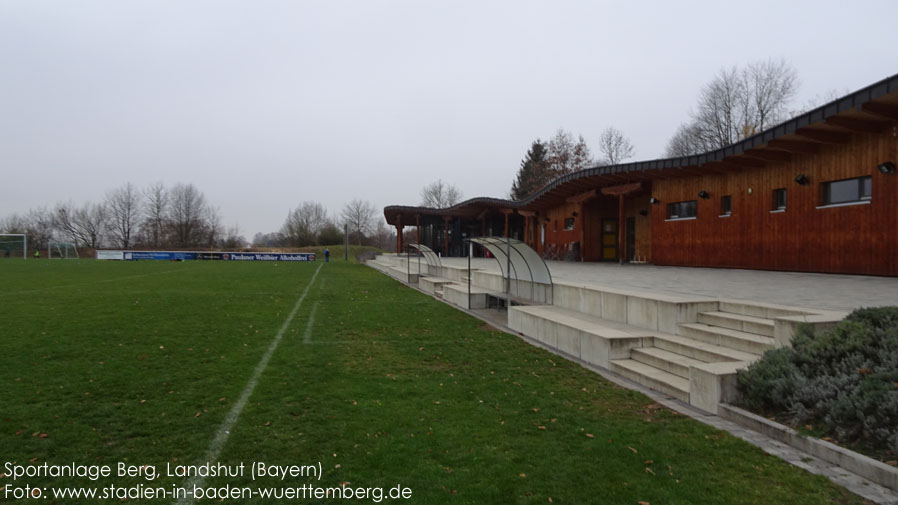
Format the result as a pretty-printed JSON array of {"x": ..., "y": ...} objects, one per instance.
[
  {"x": 847, "y": 190},
  {"x": 682, "y": 210}
]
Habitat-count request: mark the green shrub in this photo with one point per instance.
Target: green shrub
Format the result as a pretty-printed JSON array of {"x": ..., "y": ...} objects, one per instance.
[
  {"x": 845, "y": 377},
  {"x": 771, "y": 382}
]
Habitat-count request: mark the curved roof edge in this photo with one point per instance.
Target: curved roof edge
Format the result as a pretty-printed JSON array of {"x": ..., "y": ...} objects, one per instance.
[{"x": 851, "y": 103}]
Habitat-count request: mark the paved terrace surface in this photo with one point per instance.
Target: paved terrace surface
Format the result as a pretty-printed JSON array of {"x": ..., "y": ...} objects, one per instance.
[{"x": 807, "y": 290}]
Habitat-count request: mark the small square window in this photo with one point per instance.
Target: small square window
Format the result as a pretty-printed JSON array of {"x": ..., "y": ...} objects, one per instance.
[
  {"x": 779, "y": 199},
  {"x": 569, "y": 223},
  {"x": 726, "y": 205}
]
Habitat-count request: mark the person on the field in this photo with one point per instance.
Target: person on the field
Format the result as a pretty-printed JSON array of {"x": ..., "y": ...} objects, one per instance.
[
  {"x": 37, "y": 254},
  {"x": 327, "y": 255}
]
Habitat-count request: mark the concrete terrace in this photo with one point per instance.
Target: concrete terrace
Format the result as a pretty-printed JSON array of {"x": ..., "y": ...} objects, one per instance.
[
  {"x": 809, "y": 290},
  {"x": 681, "y": 332}
]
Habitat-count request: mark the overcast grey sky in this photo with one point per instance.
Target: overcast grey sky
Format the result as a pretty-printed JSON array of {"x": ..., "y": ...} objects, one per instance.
[{"x": 265, "y": 104}]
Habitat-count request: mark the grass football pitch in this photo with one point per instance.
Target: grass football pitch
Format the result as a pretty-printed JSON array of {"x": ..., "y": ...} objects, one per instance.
[{"x": 334, "y": 376}]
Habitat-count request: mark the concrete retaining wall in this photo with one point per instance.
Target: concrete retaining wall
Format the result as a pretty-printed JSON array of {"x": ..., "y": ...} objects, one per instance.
[{"x": 864, "y": 466}]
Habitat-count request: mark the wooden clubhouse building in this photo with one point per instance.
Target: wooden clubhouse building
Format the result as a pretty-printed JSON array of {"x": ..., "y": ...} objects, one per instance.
[{"x": 817, "y": 193}]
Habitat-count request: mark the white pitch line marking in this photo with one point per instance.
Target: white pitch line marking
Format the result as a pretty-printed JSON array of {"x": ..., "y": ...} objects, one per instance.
[
  {"x": 308, "y": 334},
  {"x": 221, "y": 436}
]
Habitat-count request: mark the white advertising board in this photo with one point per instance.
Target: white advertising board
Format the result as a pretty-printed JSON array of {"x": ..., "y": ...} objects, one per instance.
[{"x": 110, "y": 255}]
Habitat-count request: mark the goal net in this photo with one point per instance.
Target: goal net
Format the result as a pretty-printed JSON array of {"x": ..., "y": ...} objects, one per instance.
[
  {"x": 62, "y": 250},
  {"x": 13, "y": 245}
]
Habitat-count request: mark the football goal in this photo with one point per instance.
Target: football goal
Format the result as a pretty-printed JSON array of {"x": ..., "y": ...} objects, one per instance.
[
  {"x": 62, "y": 250},
  {"x": 13, "y": 245}
]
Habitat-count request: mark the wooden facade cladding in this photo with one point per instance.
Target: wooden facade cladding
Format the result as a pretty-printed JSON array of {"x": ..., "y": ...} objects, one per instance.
[
  {"x": 847, "y": 138},
  {"x": 851, "y": 239}
]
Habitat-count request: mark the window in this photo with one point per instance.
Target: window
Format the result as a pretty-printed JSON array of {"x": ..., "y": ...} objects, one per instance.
[
  {"x": 779, "y": 199},
  {"x": 848, "y": 190},
  {"x": 726, "y": 205},
  {"x": 682, "y": 210},
  {"x": 569, "y": 223}
]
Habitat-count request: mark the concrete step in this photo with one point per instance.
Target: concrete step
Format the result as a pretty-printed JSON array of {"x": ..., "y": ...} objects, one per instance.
[
  {"x": 667, "y": 361},
  {"x": 390, "y": 261},
  {"x": 402, "y": 274},
  {"x": 593, "y": 340},
  {"x": 432, "y": 284},
  {"x": 764, "y": 310},
  {"x": 458, "y": 294},
  {"x": 653, "y": 378},
  {"x": 701, "y": 351},
  {"x": 741, "y": 322},
  {"x": 377, "y": 265},
  {"x": 726, "y": 337}
]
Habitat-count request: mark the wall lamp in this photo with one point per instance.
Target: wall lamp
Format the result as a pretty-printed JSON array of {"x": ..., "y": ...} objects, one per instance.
[
  {"x": 704, "y": 194},
  {"x": 802, "y": 179},
  {"x": 886, "y": 168},
  {"x": 575, "y": 214},
  {"x": 654, "y": 201}
]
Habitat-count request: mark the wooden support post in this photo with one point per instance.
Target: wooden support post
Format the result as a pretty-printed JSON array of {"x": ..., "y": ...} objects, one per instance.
[
  {"x": 621, "y": 228},
  {"x": 581, "y": 219},
  {"x": 527, "y": 230},
  {"x": 418, "y": 228},
  {"x": 399, "y": 235},
  {"x": 528, "y": 215},
  {"x": 446, "y": 220}
]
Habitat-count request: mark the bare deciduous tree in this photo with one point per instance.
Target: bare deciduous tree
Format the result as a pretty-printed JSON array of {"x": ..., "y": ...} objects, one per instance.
[
  {"x": 359, "y": 216},
  {"x": 566, "y": 155},
  {"x": 37, "y": 224},
  {"x": 212, "y": 229},
  {"x": 771, "y": 85},
  {"x": 84, "y": 225},
  {"x": 304, "y": 223},
  {"x": 273, "y": 239},
  {"x": 330, "y": 234},
  {"x": 39, "y": 227},
  {"x": 439, "y": 195},
  {"x": 687, "y": 140},
  {"x": 384, "y": 236},
  {"x": 232, "y": 240},
  {"x": 737, "y": 104},
  {"x": 820, "y": 99},
  {"x": 14, "y": 223},
  {"x": 124, "y": 206},
  {"x": 187, "y": 209},
  {"x": 614, "y": 146},
  {"x": 155, "y": 212}
]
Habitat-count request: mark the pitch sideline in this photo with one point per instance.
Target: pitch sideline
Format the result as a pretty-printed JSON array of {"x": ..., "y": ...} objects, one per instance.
[
  {"x": 230, "y": 420},
  {"x": 308, "y": 334}
]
